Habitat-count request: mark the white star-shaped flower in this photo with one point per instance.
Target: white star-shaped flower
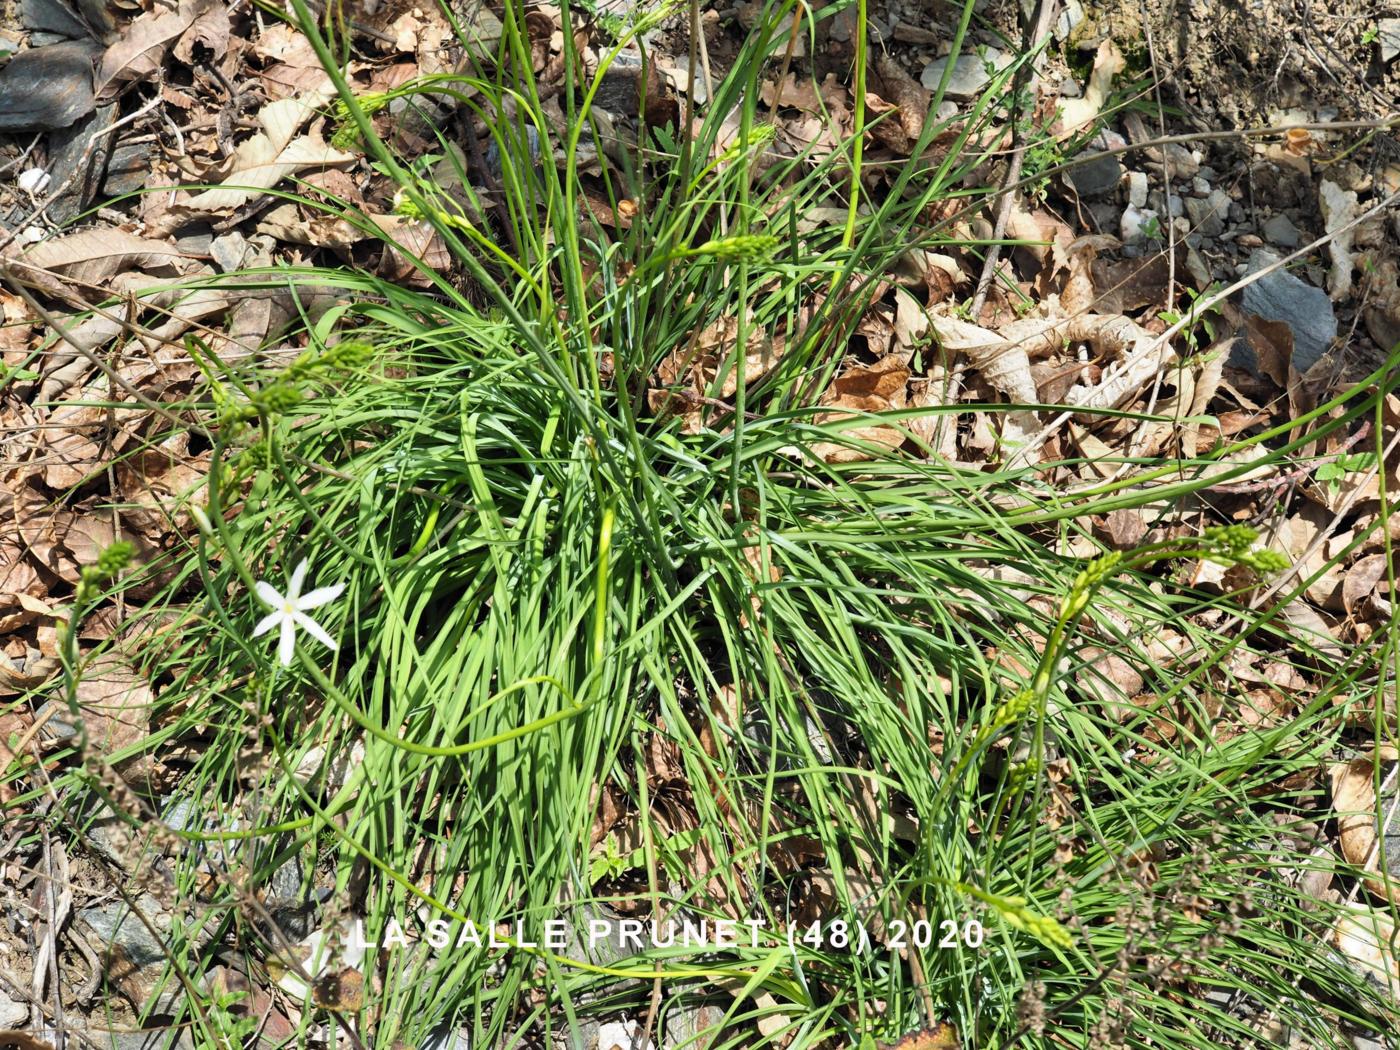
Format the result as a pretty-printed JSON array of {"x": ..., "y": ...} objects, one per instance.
[{"x": 290, "y": 612}]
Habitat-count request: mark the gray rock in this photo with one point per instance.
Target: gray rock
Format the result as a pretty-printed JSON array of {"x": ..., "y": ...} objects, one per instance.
[
  {"x": 1096, "y": 176},
  {"x": 52, "y": 16},
  {"x": 1208, "y": 215},
  {"x": 13, "y": 1014},
  {"x": 1069, "y": 19},
  {"x": 1137, "y": 224},
  {"x": 1137, "y": 189},
  {"x": 970, "y": 72},
  {"x": 446, "y": 1038},
  {"x": 153, "y": 1039},
  {"x": 128, "y": 170},
  {"x": 118, "y": 926},
  {"x": 1200, "y": 187},
  {"x": 1181, "y": 161},
  {"x": 1282, "y": 297},
  {"x": 1388, "y": 34},
  {"x": 47, "y": 87},
  {"x": 1280, "y": 231}
]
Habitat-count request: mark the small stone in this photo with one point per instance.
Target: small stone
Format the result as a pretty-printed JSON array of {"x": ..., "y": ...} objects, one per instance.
[
  {"x": 910, "y": 33},
  {"x": 1280, "y": 231},
  {"x": 446, "y": 1038},
  {"x": 1250, "y": 240},
  {"x": 51, "y": 16},
  {"x": 1280, "y": 296},
  {"x": 1176, "y": 207},
  {"x": 1097, "y": 176},
  {"x": 1108, "y": 139},
  {"x": 1182, "y": 162},
  {"x": 1137, "y": 224},
  {"x": 1069, "y": 19},
  {"x": 1388, "y": 34},
  {"x": 970, "y": 72},
  {"x": 1208, "y": 173},
  {"x": 1137, "y": 189},
  {"x": 621, "y": 1033},
  {"x": 33, "y": 180},
  {"x": 47, "y": 87},
  {"x": 13, "y": 1014},
  {"x": 1200, "y": 187},
  {"x": 1208, "y": 215},
  {"x": 1069, "y": 88}
]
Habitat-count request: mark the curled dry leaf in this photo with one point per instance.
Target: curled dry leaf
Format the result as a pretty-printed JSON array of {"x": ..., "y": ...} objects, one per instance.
[
  {"x": 409, "y": 240},
  {"x": 90, "y": 257},
  {"x": 269, "y": 156},
  {"x": 1003, "y": 363},
  {"x": 1078, "y": 113},
  {"x": 1366, "y": 936},
  {"x": 209, "y": 31},
  {"x": 882, "y": 387},
  {"x": 1361, "y": 582},
  {"x": 1339, "y": 208},
  {"x": 1354, "y": 803},
  {"x": 137, "y": 55}
]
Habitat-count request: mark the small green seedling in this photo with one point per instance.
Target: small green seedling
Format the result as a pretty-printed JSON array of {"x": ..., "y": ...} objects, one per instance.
[{"x": 1331, "y": 474}]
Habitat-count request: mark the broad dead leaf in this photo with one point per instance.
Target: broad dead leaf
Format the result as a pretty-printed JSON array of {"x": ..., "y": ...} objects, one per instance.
[
  {"x": 116, "y": 704},
  {"x": 138, "y": 53},
  {"x": 881, "y": 387}
]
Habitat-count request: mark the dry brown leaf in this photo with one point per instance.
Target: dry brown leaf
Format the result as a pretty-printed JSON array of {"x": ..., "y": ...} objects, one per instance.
[
  {"x": 689, "y": 372},
  {"x": 1355, "y": 806},
  {"x": 1003, "y": 363},
  {"x": 137, "y": 55},
  {"x": 209, "y": 31},
  {"x": 288, "y": 224},
  {"x": 116, "y": 703},
  {"x": 1122, "y": 530},
  {"x": 407, "y": 239},
  {"x": 1339, "y": 208},
  {"x": 1077, "y": 113},
  {"x": 73, "y": 443},
  {"x": 1366, "y": 936},
  {"x": 904, "y": 91},
  {"x": 90, "y": 257},
  {"x": 878, "y": 388},
  {"x": 1360, "y": 582},
  {"x": 938, "y": 430},
  {"x": 803, "y": 94},
  {"x": 1272, "y": 343},
  {"x": 263, "y": 160}
]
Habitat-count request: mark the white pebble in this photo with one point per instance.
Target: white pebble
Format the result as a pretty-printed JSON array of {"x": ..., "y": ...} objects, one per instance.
[
  {"x": 1137, "y": 189},
  {"x": 34, "y": 180}
]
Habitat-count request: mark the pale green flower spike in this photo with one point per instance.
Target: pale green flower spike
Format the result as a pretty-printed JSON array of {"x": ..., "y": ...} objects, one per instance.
[{"x": 290, "y": 612}]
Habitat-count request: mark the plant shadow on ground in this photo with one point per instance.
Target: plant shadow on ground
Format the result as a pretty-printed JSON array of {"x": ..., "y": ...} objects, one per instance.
[{"x": 638, "y": 625}]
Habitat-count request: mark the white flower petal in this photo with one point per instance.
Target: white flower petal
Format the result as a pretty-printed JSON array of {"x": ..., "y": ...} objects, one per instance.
[
  {"x": 320, "y": 596},
  {"x": 267, "y": 623},
  {"x": 298, "y": 578},
  {"x": 314, "y": 629},
  {"x": 286, "y": 648},
  {"x": 269, "y": 594}
]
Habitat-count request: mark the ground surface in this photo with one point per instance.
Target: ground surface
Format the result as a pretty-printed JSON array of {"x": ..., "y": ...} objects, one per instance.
[{"x": 215, "y": 96}]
